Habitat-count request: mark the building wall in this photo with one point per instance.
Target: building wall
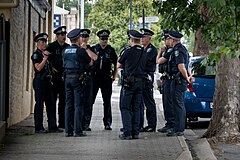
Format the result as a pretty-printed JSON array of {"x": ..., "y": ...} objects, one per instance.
[{"x": 25, "y": 23}]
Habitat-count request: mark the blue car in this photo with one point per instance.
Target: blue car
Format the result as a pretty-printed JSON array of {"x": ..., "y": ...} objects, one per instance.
[{"x": 199, "y": 95}]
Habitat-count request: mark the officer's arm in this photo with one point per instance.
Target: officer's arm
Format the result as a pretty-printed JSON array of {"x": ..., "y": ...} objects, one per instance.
[
  {"x": 39, "y": 66},
  {"x": 161, "y": 60},
  {"x": 91, "y": 54},
  {"x": 119, "y": 65},
  {"x": 182, "y": 69},
  {"x": 115, "y": 71},
  {"x": 162, "y": 49},
  {"x": 192, "y": 79}
]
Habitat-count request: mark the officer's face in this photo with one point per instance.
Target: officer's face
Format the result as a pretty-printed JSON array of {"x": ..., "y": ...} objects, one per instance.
[
  {"x": 167, "y": 41},
  {"x": 103, "y": 41},
  {"x": 85, "y": 38},
  {"x": 146, "y": 40},
  {"x": 41, "y": 44},
  {"x": 61, "y": 37}
]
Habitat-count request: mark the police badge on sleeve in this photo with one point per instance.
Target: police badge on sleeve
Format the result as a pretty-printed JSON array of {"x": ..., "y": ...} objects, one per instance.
[{"x": 176, "y": 53}]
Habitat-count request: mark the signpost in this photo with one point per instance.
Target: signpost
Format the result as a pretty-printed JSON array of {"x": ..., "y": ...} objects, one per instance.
[{"x": 152, "y": 19}]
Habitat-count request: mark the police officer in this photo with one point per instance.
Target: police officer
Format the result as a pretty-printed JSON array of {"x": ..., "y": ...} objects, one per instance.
[
  {"x": 133, "y": 62},
  {"x": 56, "y": 48},
  {"x": 105, "y": 74},
  {"x": 150, "y": 68},
  {"x": 84, "y": 36},
  {"x": 162, "y": 60},
  {"x": 76, "y": 60},
  {"x": 178, "y": 69},
  {"x": 42, "y": 86}
]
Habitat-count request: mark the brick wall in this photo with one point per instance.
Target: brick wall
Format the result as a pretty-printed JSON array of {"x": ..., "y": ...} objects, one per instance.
[{"x": 24, "y": 22}]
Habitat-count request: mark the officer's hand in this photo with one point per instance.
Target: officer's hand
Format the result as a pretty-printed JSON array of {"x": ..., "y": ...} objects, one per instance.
[
  {"x": 46, "y": 54},
  {"x": 84, "y": 45},
  {"x": 162, "y": 49},
  {"x": 191, "y": 79}
]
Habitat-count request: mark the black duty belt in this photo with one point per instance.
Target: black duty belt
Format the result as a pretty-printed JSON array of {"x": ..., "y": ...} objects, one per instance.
[{"x": 72, "y": 75}]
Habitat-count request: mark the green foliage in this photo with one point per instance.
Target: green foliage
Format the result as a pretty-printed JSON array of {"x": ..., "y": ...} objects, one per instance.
[
  {"x": 215, "y": 18},
  {"x": 115, "y": 16}
]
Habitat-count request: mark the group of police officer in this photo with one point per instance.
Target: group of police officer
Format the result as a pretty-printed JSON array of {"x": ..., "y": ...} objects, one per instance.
[{"x": 74, "y": 74}]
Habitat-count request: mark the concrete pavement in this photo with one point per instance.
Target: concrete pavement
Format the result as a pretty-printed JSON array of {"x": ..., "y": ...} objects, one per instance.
[{"x": 21, "y": 142}]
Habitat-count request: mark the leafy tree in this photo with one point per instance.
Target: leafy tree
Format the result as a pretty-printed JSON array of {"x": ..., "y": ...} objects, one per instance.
[
  {"x": 114, "y": 15},
  {"x": 217, "y": 24}
]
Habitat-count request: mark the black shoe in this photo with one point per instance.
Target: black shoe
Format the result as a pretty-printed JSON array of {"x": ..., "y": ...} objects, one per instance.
[
  {"x": 149, "y": 129},
  {"x": 41, "y": 131},
  {"x": 121, "y": 129},
  {"x": 141, "y": 130},
  {"x": 180, "y": 133},
  {"x": 107, "y": 127},
  {"x": 87, "y": 129},
  {"x": 165, "y": 129},
  {"x": 68, "y": 134},
  {"x": 58, "y": 130},
  {"x": 135, "y": 137},
  {"x": 80, "y": 135},
  {"x": 123, "y": 137}
]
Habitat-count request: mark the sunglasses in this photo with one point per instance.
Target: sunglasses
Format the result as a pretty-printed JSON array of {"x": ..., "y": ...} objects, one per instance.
[
  {"x": 84, "y": 36},
  {"x": 104, "y": 38}
]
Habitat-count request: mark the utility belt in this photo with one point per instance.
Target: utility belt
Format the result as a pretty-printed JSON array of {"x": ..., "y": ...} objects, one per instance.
[
  {"x": 83, "y": 77},
  {"x": 130, "y": 80},
  {"x": 46, "y": 77}
]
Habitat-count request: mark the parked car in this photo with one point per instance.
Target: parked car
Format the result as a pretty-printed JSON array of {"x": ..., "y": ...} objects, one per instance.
[{"x": 198, "y": 98}]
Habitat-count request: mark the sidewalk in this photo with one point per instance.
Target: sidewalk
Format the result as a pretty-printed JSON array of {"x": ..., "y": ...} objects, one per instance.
[{"x": 22, "y": 144}]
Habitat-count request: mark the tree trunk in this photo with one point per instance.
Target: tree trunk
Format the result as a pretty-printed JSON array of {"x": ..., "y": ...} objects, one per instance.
[
  {"x": 201, "y": 47},
  {"x": 225, "y": 121}
]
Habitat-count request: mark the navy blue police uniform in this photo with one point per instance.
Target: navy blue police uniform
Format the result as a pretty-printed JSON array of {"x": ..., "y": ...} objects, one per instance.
[
  {"x": 75, "y": 62},
  {"x": 133, "y": 61},
  {"x": 42, "y": 86},
  {"x": 103, "y": 77},
  {"x": 55, "y": 59},
  {"x": 88, "y": 100},
  {"x": 178, "y": 84},
  {"x": 148, "y": 99},
  {"x": 166, "y": 96}
]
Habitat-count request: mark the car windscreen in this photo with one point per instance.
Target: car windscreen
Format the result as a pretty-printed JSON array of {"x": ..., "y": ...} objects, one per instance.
[{"x": 203, "y": 68}]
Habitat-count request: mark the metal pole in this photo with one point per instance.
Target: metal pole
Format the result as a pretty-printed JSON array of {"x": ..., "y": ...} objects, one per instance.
[
  {"x": 79, "y": 13},
  {"x": 130, "y": 23},
  {"x": 143, "y": 19},
  {"x": 82, "y": 14}
]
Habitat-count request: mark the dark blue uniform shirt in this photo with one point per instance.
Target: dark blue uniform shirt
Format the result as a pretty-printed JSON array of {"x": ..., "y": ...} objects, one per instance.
[
  {"x": 151, "y": 58},
  {"x": 37, "y": 57},
  {"x": 76, "y": 59},
  {"x": 106, "y": 57},
  {"x": 55, "y": 57},
  {"x": 180, "y": 55},
  {"x": 131, "y": 59}
]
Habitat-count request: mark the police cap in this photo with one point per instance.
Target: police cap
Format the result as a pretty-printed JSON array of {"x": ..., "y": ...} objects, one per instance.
[
  {"x": 41, "y": 36},
  {"x": 135, "y": 34},
  {"x": 85, "y": 32},
  {"x": 146, "y": 32},
  {"x": 165, "y": 34},
  {"x": 103, "y": 33},
  {"x": 175, "y": 35},
  {"x": 74, "y": 34},
  {"x": 60, "y": 30}
]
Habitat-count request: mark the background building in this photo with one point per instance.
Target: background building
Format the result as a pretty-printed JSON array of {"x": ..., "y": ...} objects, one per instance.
[{"x": 20, "y": 21}]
